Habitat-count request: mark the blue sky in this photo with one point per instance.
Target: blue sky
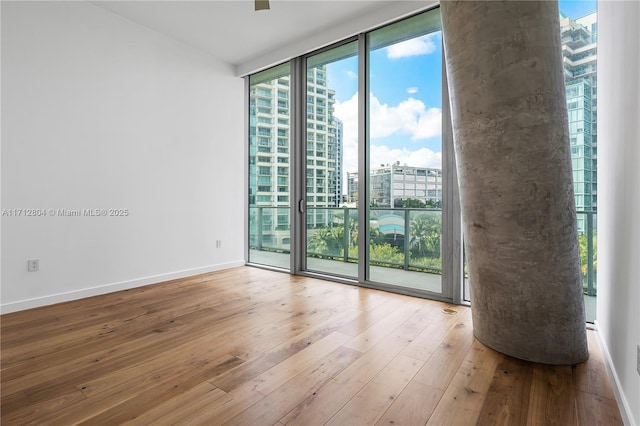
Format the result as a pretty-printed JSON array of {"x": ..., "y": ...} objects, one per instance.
[
  {"x": 577, "y": 8},
  {"x": 405, "y": 98}
]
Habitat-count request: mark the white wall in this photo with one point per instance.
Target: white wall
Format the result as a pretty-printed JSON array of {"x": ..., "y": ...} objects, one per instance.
[
  {"x": 98, "y": 112},
  {"x": 619, "y": 194}
]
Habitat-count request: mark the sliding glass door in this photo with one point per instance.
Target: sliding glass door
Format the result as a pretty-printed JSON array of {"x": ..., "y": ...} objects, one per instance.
[
  {"x": 330, "y": 156},
  {"x": 404, "y": 147},
  {"x": 365, "y": 191}
]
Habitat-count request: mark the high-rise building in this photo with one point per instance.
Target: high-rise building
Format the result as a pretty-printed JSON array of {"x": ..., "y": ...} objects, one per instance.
[
  {"x": 337, "y": 151},
  {"x": 392, "y": 185},
  {"x": 580, "y": 70},
  {"x": 324, "y": 142},
  {"x": 269, "y": 153}
]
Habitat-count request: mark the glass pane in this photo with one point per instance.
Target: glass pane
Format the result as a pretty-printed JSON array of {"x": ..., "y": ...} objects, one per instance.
[
  {"x": 269, "y": 171},
  {"x": 405, "y": 153},
  {"x": 466, "y": 288},
  {"x": 331, "y": 152},
  {"x": 578, "y": 34}
]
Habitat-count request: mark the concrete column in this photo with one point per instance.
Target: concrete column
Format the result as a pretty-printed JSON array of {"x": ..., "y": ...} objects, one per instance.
[{"x": 511, "y": 138}]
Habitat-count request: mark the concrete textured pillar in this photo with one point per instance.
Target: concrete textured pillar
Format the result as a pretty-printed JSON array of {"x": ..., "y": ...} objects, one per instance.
[{"x": 511, "y": 140}]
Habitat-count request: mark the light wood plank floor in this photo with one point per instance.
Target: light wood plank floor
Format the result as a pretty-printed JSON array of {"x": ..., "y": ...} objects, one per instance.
[{"x": 248, "y": 346}]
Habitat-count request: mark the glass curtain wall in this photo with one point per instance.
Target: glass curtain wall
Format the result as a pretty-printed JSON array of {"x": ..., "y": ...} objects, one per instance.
[
  {"x": 269, "y": 167},
  {"x": 372, "y": 170},
  {"x": 376, "y": 193},
  {"x": 404, "y": 146},
  {"x": 578, "y": 35},
  {"x": 331, "y": 154}
]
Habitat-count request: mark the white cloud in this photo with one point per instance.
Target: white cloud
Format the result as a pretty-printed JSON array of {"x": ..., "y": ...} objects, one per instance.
[
  {"x": 352, "y": 75},
  {"x": 412, "y": 47},
  {"x": 412, "y": 90},
  {"x": 410, "y": 117},
  {"x": 347, "y": 111},
  {"x": 423, "y": 157}
]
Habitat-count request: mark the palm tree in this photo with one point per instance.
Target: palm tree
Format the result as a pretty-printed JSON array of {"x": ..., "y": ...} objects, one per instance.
[
  {"x": 425, "y": 234},
  {"x": 329, "y": 241}
]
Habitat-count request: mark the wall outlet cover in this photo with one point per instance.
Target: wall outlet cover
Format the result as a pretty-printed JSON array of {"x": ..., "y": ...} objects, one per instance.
[{"x": 33, "y": 265}]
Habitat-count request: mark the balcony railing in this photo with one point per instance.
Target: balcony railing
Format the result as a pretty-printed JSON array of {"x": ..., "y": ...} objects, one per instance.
[
  {"x": 332, "y": 233},
  {"x": 588, "y": 239}
]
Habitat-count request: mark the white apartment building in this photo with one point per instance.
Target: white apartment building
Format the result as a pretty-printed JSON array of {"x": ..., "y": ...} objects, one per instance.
[
  {"x": 270, "y": 161},
  {"x": 391, "y": 184}
]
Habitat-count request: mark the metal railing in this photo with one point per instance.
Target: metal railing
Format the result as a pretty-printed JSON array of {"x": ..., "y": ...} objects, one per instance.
[
  {"x": 269, "y": 231},
  {"x": 387, "y": 228},
  {"x": 587, "y": 238}
]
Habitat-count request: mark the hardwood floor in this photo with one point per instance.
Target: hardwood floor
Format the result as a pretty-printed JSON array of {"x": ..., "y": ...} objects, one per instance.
[{"x": 247, "y": 346}]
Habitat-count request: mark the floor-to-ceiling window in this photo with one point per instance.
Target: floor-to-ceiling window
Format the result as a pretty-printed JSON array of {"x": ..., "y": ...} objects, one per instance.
[
  {"x": 578, "y": 35},
  {"x": 269, "y": 172},
  {"x": 331, "y": 217},
  {"x": 404, "y": 148},
  {"x": 368, "y": 175},
  {"x": 377, "y": 198}
]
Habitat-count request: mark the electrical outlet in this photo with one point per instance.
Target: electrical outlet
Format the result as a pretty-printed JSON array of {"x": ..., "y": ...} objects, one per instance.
[
  {"x": 218, "y": 243},
  {"x": 33, "y": 265}
]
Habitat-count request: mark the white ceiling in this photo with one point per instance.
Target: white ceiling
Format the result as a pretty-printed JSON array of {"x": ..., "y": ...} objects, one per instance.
[{"x": 233, "y": 32}]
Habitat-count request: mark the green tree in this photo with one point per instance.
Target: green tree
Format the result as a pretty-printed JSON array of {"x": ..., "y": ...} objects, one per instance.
[
  {"x": 434, "y": 204},
  {"x": 409, "y": 203},
  {"x": 385, "y": 253},
  {"x": 584, "y": 261},
  {"x": 326, "y": 241},
  {"x": 425, "y": 235}
]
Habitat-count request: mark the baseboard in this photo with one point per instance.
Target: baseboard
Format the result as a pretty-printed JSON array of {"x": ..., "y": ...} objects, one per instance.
[
  {"x": 625, "y": 410},
  {"x": 110, "y": 288}
]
